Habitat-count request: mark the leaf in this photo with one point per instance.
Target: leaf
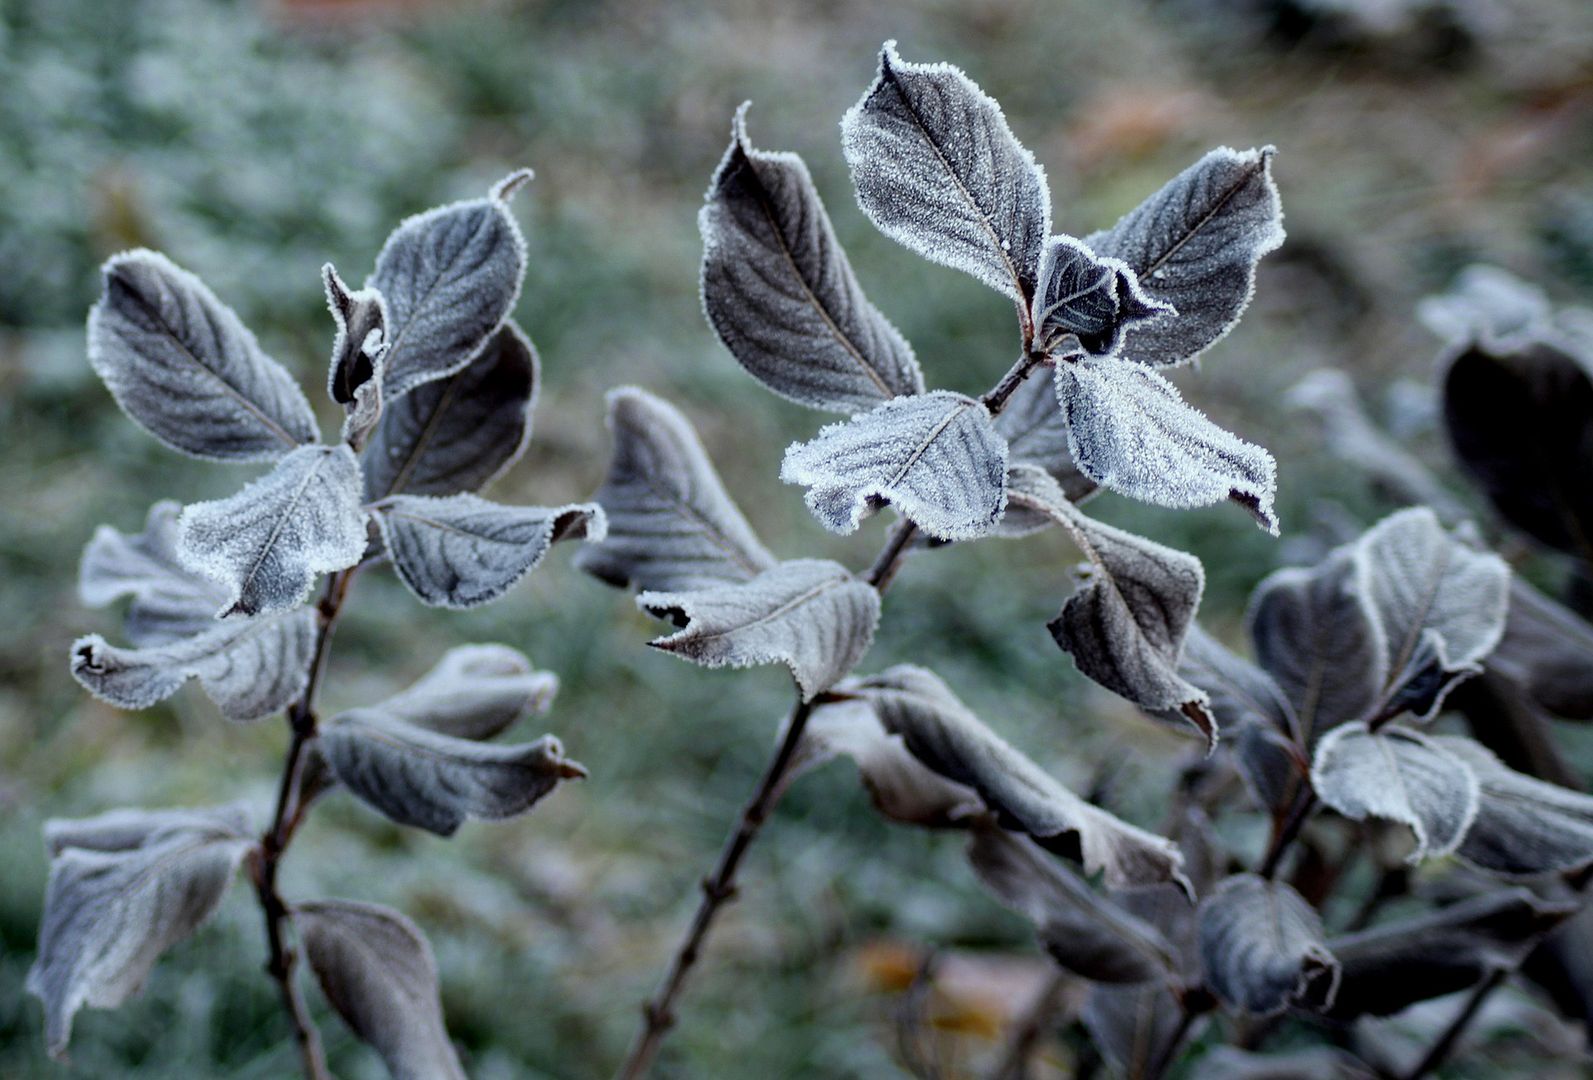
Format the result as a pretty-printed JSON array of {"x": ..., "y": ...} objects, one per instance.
[
  {"x": 1130, "y": 1025},
  {"x": 460, "y": 432},
  {"x": 1195, "y": 245},
  {"x": 938, "y": 170},
  {"x": 461, "y": 551},
  {"x": 1487, "y": 304},
  {"x": 1088, "y": 299},
  {"x": 267, "y": 543},
  {"x": 474, "y": 692},
  {"x": 1037, "y": 434},
  {"x": 1131, "y": 432},
  {"x": 435, "y": 782},
  {"x": 186, "y": 369},
  {"x": 780, "y": 292},
  {"x": 1547, "y": 652},
  {"x": 128, "y": 828},
  {"x": 671, "y": 525},
  {"x": 942, "y": 733},
  {"x": 1308, "y": 1063},
  {"x": 1523, "y": 826},
  {"x": 169, "y": 603},
  {"x": 449, "y": 276},
  {"x": 1397, "y": 775},
  {"x": 1083, "y": 931},
  {"x": 249, "y": 667},
  {"x": 356, "y": 353},
  {"x": 376, "y": 969},
  {"x": 113, "y": 907},
  {"x": 936, "y": 457},
  {"x": 1262, "y": 947},
  {"x": 811, "y": 615}
]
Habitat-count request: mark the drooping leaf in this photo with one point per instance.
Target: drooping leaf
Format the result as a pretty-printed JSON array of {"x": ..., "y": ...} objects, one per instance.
[
  {"x": 449, "y": 276},
  {"x": 1085, "y": 299},
  {"x": 181, "y": 364},
  {"x": 169, "y": 602},
  {"x": 461, "y": 551},
  {"x": 938, "y": 170},
  {"x": 1547, "y": 652},
  {"x": 780, "y": 292},
  {"x": 1195, "y": 245},
  {"x": 435, "y": 782},
  {"x": 936, "y": 457},
  {"x": 377, "y": 970},
  {"x": 461, "y": 432},
  {"x": 1523, "y": 826},
  {"x": 811, "y": 615},
  {"x": 115, "y": 905},
  {"x": 1262, "y": 947},
  {"x": 267, "y": 543},
  {"x": 474, "y": 692},
  {"x": 249, "y": 667},
  {"x": 361, "y": 338},
  {"x": 671, "y": 525},
  {"x": 1398, "y": 775},
  {"x": 1037, "y": 434},
  {"x": 1132, "y": 432}
]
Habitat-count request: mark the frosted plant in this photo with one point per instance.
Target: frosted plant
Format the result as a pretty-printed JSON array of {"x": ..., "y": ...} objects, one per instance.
[{"x": 437, "y": 385}]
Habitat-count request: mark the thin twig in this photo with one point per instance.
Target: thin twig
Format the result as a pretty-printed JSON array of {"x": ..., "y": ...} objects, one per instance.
[
  {"x": 1195, "y": 1002},
  {"x": 1030, "y": 1029},
  {"x": 1286, "y": 835},
  {"x": 1457, "y": 1027}
]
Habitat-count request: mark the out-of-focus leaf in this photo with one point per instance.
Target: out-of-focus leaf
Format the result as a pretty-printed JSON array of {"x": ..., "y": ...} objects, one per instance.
[
  {"x": 356, "y": 353},
  {"x": 128, "y": 828},
  {"x": 1037, "y": 434},
  {"x": 1523, "y": 826},
  {"x": 938, "y": 170},
  {"x": 1311, "y": 1063},
  {"x": 181, "y": 364},
  {"x": 267, "y": 543},
  {"x": 1085, "y": 299},
  {"x": 169, "y": 602},
  {"x": 936, "y": 457},
  {"x": 474, "y": 692},
  {"x": 1546, "y": 651},
  {"x": 1262, "y": 947},
  {"x": 1486, "y": 304},
  {"x": 811, "y": 615},
  {"x": 671, "y": 525}
]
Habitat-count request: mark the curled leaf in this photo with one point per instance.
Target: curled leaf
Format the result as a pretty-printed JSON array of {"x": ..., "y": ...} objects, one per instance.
[
  {"x": 361, "y": 338},
  {"x": 1262, "y": 947},
  {"x": 1087, "y": 298},
  {"x": 168, "y": 601}
]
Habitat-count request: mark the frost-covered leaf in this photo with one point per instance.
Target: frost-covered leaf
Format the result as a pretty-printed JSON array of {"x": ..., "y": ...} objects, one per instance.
[
  {"x": 127, "y": 828},
  {"x": 1037, "y": 434},
  {"x": 449, "y": 276},
  {"x": 780, "y": 292},
  {"x": 461, "y": 551},
  {"x": 1087, "y": 299},
  {"x": 458, "y": 433},
  {"x": 361, "y": 337},
  {"x": 1262, "y": 947},
  {"x": 1082, "y": 930},
  {"x": 267, "y": 543},
  {"x": 169, "y": 602},
  {"x": 936, "y": 457},
  {"x": 435, "y": 782},
  {"x": 181, "y": 364},
  {"x": 1195, "y": 245},
  {"x": 1440, "y": 602},
  {"x": 474, "y": 692},
  {"x": 115, "y": 905},
  {"x": 1523, "y": 826},
  {"x": 249, "y": 667},
  {"x": 941, "y": 732},
  {"x": 938, "y": 170},
  {"x": 377, "y": 970},
  {"x": 1547, "y": 652},
  {"x": 671, "y": 525},
  {"x": 1398, "y": 775},
  {"x": 811, "y": 615},
  {"x": 1132, "y": 432}
]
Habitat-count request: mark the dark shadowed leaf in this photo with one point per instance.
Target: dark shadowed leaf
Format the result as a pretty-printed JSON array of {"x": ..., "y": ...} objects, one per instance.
[
  {"x": 1037, "y": 434},
  {"x": 361, "y": 337},
  {"x": 181, "y": 364},
  {"x": 474, "y": 692},
  {"x": 1087, "y": 302},
  {"x": 671, "y": 525},
  {"x": 168, "y": 602},
  {"x": 1546, "y": 652},
  {"x": 938, "y": 170},
  {"x": 1524, "y": 826},
  {"x": 1262, "y": 947},
  {"x": 936, "y": 457},
  {"x": 781, "y": 294},
  {"x": 376, "y": 969}
]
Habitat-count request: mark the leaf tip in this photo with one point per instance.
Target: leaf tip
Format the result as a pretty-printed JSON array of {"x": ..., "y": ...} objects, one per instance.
[{"x": 505, "y": 189}]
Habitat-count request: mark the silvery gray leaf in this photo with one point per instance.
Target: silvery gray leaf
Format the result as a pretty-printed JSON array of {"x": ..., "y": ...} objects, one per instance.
[
  {"x": 1397, "y": 775},
  {"x": 1132, "y": 432},
  {"x": 811, "y": 615},
  {"x": 1546, "y": 651},
  {"x": 1083, "y": 931},
  {"x": 474, "y": 692},
  {"x": 355, "y": 351},
  {"x": 168, "y": 602},
  {"x": 1262, "y": 947},
  {"x": 111, "y": 910},
  {"x": 1037, "y": 434},
  {"x": 461, "y": 432},
  {"x": 1441, "y": 603},
  {"x": 938, "y": 170},
  {"x": 128, "y": 828},
  {"x": 1523, "y": 826},
  {"x": 449, "y": 276},
  {"x": 936, "y": 457},
  {"x": 1084, "y": 301},
  {"x": 1488, "y": 304},
  {"x": 461, "y": 551},
  {"x": 249, "y": 667},
  {"x": 1195, "y": 245},
  {"x": 377, "y": 970},
  {"x": 780, "y": 292},
  {"x": 942, "y": 733},
  {"x": 435, "y": 782},
  {"x": 267, "y": 543},
  {"x": 181, "y": 364},
  {"x": 671, "y": 525}
]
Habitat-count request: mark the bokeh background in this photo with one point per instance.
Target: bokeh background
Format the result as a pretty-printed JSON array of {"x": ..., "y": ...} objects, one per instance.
[{"x": 253, "y": 141}]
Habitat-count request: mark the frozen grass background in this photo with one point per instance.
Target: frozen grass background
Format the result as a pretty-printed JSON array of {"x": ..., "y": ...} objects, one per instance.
[{"x": 254, "y": 141}]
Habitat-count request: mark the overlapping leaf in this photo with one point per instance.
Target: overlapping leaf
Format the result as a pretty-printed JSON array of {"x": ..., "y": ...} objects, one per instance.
[
  {"x": 474, "y": 692},
  {"x": 361, "y": 338},
  {"x": 1523, "y": 826},
  {"x": 1037, "y": 434},
  {"x": 1084, "y": 301},
  {"x": 1546, "y": 652},
  {"x": 168, "y": 601},
  {"x": 1262, "y": 947}
]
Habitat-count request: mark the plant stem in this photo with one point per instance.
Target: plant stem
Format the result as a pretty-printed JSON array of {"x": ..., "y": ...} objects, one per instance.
[
  {"x": 1457, "y": 1027},
  {"x": 1298, "y": 815},
  {"x": 996, "y": 399},
  {"x": 1030, "y": 1029},
  {"x": 1194, "y": 1002}
]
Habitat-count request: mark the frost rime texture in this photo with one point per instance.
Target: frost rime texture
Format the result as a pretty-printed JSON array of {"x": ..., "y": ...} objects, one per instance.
[
  {"x": 1262, "y": 947},
  {"x": 1094, "y": 299}
]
